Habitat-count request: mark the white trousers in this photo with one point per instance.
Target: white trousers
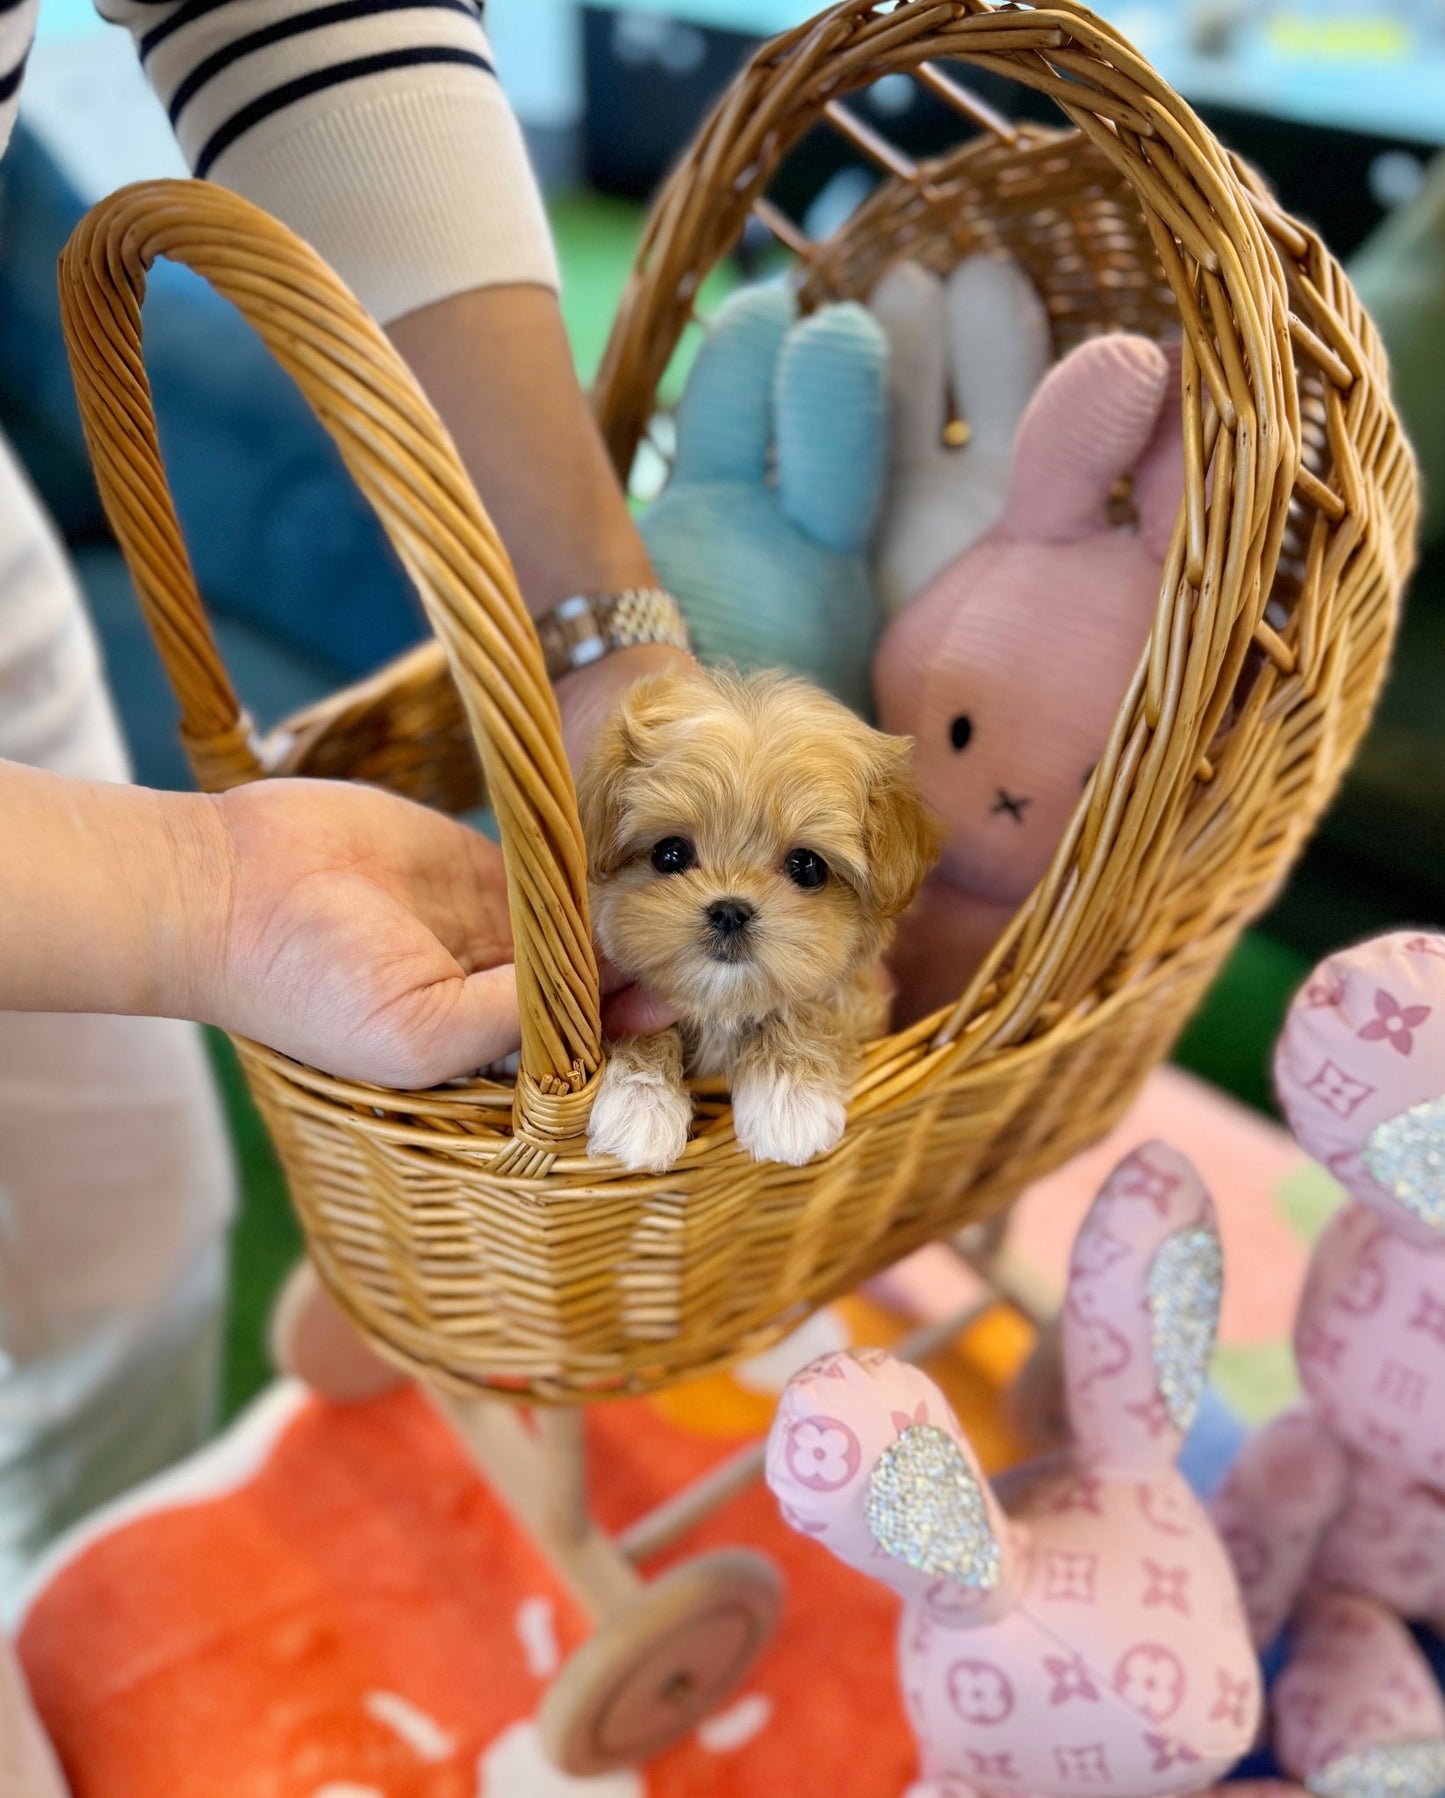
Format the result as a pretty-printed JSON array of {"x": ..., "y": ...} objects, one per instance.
[{"x": 116, "y": 1185}]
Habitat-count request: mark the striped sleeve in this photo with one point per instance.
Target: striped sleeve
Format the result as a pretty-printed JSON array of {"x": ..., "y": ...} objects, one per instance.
[
  {"x": 17, "y": 29},
  {"x": 376, "y": 129}
]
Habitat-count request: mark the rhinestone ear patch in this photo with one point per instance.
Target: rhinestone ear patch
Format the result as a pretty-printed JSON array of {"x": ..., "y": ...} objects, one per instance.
[
  {"x": 1185, "y": 1279},
  {"x": 1391, "y": 1770},
  {"x": 1406, "y": 1154},
  {"x": 926, "y": 1509}
]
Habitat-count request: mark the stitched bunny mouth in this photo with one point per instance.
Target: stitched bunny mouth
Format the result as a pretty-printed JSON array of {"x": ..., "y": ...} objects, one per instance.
[{"x": 1014, "y": 807}]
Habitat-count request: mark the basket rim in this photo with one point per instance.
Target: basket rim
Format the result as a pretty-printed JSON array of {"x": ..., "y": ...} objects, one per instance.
[
  {"x": 353, "y": 1105},
  {"x": 1048, "y": 1016}
]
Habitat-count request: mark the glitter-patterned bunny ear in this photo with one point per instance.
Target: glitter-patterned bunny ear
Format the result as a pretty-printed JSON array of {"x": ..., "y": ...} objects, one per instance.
[
  {"x": 1141, "y": 1314},
  {"x": 866, "y": 1457}
]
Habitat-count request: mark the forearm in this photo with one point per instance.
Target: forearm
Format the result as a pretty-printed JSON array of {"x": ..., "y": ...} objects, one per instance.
[
  {"x": 497, "y": 366},
  {"x": 109, "y": 896},
  {"x": 384, "y": 138}
]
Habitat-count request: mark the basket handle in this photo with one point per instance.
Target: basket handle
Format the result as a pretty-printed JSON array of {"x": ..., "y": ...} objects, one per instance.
[{"x": 403, "y": 460}]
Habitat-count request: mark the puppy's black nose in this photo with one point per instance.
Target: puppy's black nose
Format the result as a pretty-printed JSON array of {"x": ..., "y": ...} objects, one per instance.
[
  {"x": 729, "y": 917},
  {"x": 1014, "y": 807}
]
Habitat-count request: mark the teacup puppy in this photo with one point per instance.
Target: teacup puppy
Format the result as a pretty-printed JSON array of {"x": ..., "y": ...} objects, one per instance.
[{"x": 750, "y": 842}]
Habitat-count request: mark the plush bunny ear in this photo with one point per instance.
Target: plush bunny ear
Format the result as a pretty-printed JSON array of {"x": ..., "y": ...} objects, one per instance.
[
  {"x": 1159, "y": 478},
  {"x": 1360, "y": 1072},
  {"x": 866, "y": 1456},
  {"x": 1000, "y": 347},
  {"x": 829, "y": 403},
  {"x": 908, "y": 304},
  {"x": 987, "y": 325},
  {"x": 1085, "y": 428},
  {"x": 1141, "y": 1313},
  {"x": 725, "y": 415}
]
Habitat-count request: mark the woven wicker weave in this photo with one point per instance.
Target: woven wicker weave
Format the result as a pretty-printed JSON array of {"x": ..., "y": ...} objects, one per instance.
[{"x": 465, "y": 1229}]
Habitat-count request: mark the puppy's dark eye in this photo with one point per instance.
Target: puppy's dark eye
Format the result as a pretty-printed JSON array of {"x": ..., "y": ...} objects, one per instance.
[
  {"x": 960, "y": 732},
  {"x": 673, "y": 855},
  {"x": 805, "y": 868}
]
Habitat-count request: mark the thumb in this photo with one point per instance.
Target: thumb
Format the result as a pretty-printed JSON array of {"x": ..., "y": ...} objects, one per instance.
[
  {"x": 470, "y": 1024},
  {"x": 480, "y": 1022},
  {"x": 633, "y": 1012}
]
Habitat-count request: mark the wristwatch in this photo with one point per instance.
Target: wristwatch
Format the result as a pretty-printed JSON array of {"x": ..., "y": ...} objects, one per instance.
[{"x": 588, "y": 626}]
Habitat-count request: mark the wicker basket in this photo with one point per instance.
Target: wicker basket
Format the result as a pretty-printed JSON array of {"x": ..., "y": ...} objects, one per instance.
[{"x": 465, "y": 1229}]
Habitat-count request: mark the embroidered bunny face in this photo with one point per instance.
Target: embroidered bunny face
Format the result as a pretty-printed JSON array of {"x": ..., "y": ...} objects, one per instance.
[{"x": 1009, "y": 670}]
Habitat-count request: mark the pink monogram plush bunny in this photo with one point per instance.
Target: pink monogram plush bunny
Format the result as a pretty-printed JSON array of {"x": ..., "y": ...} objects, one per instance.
[
  {"x": 1009, "y": 669},
  {"x": 1334, "y": 1515},
  {"x": 1078, "y": 1628}
]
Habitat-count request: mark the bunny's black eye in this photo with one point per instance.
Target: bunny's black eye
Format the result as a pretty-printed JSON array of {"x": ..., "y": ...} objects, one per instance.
[
  {"x": 673, "y": 855},
  {"x": 805, "y": 868},
  {"x": 960, "y": 732}
]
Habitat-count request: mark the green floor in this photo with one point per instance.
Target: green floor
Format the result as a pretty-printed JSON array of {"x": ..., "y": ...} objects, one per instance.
[{"x": 1331, "y": 901}]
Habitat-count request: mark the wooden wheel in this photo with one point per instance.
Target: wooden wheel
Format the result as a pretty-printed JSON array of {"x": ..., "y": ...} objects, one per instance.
[{"x": 653, "y": 1671}]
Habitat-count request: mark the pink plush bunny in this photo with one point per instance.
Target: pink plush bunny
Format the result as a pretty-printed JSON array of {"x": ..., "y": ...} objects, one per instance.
[
  {"x": 1335, "y": 1514},
  {"x": 1009, "y": 669},
  {"x": 1079, "y": 1628}
]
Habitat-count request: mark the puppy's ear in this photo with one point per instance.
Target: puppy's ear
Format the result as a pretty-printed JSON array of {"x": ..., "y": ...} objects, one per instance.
[
  {"x": 627, "y": 743},
  {"x": 903, "y": 837},
  {"x": 601, "y": 790}
]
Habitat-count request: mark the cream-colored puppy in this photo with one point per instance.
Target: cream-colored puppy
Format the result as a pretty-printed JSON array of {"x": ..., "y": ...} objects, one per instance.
[{"x": 750, "y": 843}]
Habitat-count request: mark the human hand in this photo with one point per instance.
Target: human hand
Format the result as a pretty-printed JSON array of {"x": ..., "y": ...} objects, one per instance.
[
  {"x": 363, "y": 935},
  {"x": 985, "y": 333},
  {"x": 762, "y": 529}
]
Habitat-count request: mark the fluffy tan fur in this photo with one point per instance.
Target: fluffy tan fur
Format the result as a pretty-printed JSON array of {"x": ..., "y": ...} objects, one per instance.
[{"x": 746, "y": 770}]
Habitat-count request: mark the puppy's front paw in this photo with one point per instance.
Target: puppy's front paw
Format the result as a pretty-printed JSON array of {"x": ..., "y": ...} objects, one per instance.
[
  {"x": 639, "y": 1119},
  {"x": 785, "y": 1119}
]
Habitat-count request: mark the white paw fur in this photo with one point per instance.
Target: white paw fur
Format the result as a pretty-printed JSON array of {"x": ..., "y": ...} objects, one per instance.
[
  {"x": 640, "y": 1118},
  {"x": 783, "y": 1119}
]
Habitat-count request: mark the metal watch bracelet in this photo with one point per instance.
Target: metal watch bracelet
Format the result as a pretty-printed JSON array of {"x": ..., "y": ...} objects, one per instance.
[{"x": 586, "y": 627}]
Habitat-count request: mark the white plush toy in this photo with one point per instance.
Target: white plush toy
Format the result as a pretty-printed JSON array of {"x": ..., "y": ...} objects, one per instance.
[{"x": 984, "y": 333}]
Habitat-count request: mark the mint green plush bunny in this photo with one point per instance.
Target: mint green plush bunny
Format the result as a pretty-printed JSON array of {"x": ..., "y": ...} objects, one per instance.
[{"x": 763, "y": 529}]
